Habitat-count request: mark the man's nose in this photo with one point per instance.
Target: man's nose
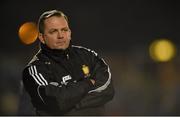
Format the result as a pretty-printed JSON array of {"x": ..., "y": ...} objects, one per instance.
[{"x": 60, "y": 35}]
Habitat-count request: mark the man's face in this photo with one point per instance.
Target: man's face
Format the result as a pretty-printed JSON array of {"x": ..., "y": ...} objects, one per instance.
[{"x": 57, "y": 34}]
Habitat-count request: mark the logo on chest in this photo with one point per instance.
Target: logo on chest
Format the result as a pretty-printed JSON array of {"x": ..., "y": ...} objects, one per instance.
[
  {"x": 85, "y": 70},
  {"x": 65, "y": 79}
]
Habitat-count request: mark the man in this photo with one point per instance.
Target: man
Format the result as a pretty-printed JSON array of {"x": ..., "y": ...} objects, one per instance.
[{"x": 63, "y": 79}]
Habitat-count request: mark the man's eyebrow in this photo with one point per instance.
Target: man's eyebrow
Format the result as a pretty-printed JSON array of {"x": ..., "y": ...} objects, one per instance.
[{"x": 65, "y": 28}]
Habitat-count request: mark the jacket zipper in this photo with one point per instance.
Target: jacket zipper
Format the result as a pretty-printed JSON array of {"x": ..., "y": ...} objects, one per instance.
[{"x": 67, "y": 55}]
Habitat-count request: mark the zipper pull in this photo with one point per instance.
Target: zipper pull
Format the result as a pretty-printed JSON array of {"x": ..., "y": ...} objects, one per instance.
[{"x": 67, "y": 55}]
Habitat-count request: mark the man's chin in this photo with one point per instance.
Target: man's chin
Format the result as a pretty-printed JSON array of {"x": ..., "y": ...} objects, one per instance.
[{"x": 61, "y": 48}]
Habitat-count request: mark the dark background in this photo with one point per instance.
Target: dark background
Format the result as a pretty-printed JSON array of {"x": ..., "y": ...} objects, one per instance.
[{"x": 121, "y": 31}]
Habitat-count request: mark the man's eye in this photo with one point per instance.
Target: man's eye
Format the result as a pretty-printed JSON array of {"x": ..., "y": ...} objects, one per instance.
[
  {"x": 52, "y": 31},
  {"x": 65, "y": 30}
]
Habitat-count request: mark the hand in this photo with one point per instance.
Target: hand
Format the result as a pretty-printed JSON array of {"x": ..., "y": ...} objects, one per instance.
[{"x": 92, "y": 81}]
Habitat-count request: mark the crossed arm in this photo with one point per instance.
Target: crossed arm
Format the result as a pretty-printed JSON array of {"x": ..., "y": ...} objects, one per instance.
[{"x": 58, "y": 100}]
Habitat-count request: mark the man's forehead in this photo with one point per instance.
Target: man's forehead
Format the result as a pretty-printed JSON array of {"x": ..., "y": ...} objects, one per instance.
[{"x": 56, "y": 21}]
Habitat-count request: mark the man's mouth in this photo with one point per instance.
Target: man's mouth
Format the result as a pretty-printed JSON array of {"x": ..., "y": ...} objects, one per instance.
[{"x": 61, "y": 43}]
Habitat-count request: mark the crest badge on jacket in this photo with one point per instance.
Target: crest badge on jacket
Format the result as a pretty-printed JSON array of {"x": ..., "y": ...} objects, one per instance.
[{"x": 85, "y": 70}]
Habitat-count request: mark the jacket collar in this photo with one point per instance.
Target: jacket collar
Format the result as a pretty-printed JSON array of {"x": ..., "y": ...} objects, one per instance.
[{"x": 55, "y": 53}]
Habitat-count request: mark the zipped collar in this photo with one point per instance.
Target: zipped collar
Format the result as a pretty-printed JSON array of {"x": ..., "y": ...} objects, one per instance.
[{"x": 56, "y": 53}]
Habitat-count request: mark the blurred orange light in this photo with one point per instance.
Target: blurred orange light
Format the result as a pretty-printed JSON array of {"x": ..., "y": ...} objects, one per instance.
[{"x": 28, "y": 33}]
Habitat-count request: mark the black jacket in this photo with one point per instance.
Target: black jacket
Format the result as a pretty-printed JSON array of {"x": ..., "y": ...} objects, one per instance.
[{"x": 58, "y": 81}]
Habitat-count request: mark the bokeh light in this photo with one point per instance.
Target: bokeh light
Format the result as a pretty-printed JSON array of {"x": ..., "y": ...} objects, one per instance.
[
  {"x": 9, "y": 103},
  {"x": 162, "y": 50},
  {"x": 28, "y": 32}
]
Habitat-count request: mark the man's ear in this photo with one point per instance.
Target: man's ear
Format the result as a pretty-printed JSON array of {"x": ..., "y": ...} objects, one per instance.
[
  {"x": 70, "y": 34},
  {"x": 41, "y": 38}
]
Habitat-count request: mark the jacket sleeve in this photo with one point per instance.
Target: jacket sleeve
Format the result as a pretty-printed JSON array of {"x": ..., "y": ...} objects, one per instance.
[
  {"x": 54, "y": 99},
  {"x": 104, "y": 90}
]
